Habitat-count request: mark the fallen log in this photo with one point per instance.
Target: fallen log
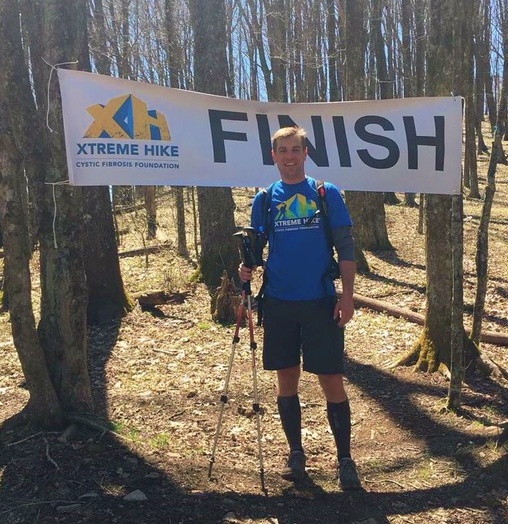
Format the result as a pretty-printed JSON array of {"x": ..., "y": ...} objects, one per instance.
[
  {"x": 148, "y": 299},
  {"x": 144, "y": 251},
  {"x": 489, "y": 337}
]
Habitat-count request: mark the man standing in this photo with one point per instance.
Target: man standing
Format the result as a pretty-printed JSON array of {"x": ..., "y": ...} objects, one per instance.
[{"x": 302, "y": 316}]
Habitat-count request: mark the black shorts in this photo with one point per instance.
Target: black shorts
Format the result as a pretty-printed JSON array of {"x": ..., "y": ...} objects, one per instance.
[{"x": 302, "y": 328}]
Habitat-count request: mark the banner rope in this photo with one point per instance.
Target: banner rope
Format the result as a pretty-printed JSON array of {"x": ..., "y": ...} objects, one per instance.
[
  {"x": 53, "y": 68},
  {"x": 54, "y": 184}
]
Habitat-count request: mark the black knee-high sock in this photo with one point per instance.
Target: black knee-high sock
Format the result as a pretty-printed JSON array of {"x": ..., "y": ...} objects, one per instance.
[
  {"x": 291, "y": 418},
  {"x": 339, "y": 417}
]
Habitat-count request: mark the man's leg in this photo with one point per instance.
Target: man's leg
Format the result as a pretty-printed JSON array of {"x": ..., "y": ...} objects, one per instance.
[
  {"x": 289, "y": 406},
  {"x": 290, "y": 413},
  {"x": 339, "y": 413},
  {"x": 281, "y": 352},
  {"x": 339, "y": 418},
  {"x": 288, "y": 380}
]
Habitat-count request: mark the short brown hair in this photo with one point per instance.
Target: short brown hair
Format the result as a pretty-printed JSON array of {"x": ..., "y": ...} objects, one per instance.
[{"x": 286, "y": 132}]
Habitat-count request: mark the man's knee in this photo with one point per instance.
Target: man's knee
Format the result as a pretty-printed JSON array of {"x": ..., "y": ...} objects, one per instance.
[
  {"x": 333, "y": 387},
  {"x": 288, "y": 379}
]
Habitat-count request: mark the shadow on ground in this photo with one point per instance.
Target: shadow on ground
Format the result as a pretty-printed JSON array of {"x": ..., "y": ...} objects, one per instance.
[{"x": 84, "y": 478}]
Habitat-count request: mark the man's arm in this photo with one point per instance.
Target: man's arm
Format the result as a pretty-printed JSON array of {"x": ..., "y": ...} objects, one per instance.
[
  {"x": 345, "y": 307},
  {"x": 344, "y": 243}
]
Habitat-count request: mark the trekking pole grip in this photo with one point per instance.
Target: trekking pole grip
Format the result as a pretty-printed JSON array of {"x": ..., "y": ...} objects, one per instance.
[
  {"x": 247, "y": 238},
  {"x": 246, "y": 287}
]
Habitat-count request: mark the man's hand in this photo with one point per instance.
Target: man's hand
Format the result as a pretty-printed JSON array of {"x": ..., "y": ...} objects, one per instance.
[
  {"x": 344, "y": 310},
  {"x": 245, "y": 273}
]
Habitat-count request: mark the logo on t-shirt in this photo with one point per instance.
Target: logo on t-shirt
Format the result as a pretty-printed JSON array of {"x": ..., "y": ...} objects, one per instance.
[{"x": 298, "y": 212}]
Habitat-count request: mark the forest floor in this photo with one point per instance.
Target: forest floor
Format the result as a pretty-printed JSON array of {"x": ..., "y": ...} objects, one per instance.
[{"x": 157, "y": 381}]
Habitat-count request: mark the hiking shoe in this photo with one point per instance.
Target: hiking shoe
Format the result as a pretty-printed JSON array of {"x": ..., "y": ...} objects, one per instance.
[
  {"x": 295, "y": 468},
  {"x": 348, "y": 476}
]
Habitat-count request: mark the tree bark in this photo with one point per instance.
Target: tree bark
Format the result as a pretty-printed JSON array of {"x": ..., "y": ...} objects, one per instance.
[
  {"x": 62, "y": 328},
  {"x": 175, "y": 63},
  {"x": 367, "y": 209},
  {"x": 216, "y": 206},
  {"x": 107, "y": 298},
  {"x": 182, "y": 248},
  {"x": 276, "y": 21},
  {"x": 482, "y": 243},
  {"x": 43, "y": 408},
  {"x": 384, "y": 91},
  {"x": 434, "y": 349},
  {"x": 439, "y": 286},
  {"x": 371, "y": 234},
  {"x": 99, "y": 38},
  {"x": 331, "y": 31},
  {"x": 485, "y": 59},
  {"x": 151, "y": 212},
  {"x": 470, "y": 160}
]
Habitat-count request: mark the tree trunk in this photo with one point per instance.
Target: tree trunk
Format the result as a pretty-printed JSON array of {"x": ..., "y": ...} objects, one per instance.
[
  {"x": 151, "y": 212},
  {"x": 182, "y": 249},
  {"x": 485, "y": 42},
  {"x": 436, "y": 337},
  {"x": 435, "y": 342},
  {"x": 367, "y": 209},
  {"x": 470, "y": 160},
  {"x": 482, "y": 243},
  {"x": 331, "y": 31},
  {"x": 354, "y": 89},
  {"x": 421, "y": 215},
  {"x": 216, "y": 227},
  {"x": 99, "y": 39},
  {"x": 276, "y": 21},
  {"x": 406, "y": 49},
  {"x": 43, "y": 408},
  {"x": 457, "y": 368},
  {"x": 385, "y": 89},
  {"x": 410, "y": 200},
  {"x": 62, "y": 327},
  {"x": 420, "y": 41},
  {"x": 371, "y": 235},
  {"x": 216, "y": 206},
  {"x": 256, "y": 29},
  {"x": 175, "y": 63},
  {"x": 433, "y": 350},
  {"x": 107, "y": 298}
]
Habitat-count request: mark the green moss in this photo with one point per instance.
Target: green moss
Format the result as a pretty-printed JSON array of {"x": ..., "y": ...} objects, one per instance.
[{"x": 196, "y": 277}]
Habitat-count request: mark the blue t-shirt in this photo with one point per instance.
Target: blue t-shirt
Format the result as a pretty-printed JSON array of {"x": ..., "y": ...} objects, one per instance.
[{"x": 298, "y": 252}]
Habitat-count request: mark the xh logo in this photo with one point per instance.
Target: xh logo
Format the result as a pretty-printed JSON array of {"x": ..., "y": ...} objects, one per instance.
[{"x": 127, "y": 117}]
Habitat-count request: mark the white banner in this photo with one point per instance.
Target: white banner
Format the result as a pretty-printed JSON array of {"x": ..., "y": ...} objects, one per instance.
[{"x": 120, "y": 132}]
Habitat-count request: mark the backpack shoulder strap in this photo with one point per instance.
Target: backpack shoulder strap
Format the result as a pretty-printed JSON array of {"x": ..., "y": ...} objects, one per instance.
[
  {"x": 321, "y": 191},
  {"x": 266, "y": 206},
  {"x": 266, "y": 202}
]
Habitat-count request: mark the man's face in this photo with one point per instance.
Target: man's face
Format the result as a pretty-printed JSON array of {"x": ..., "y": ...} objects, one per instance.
[{"x": 290, "y": 158}]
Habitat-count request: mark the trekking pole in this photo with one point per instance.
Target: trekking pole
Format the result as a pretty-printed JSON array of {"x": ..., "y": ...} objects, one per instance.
[
  {"x": 246, "y": 235},
  {"x": 224, "y": 395},
  {"x": 255, "y": 404},
  {"x": 249, "y": 255}
]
